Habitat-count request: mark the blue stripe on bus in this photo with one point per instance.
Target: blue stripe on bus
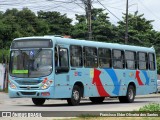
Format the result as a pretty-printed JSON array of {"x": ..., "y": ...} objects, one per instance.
[
  {"x": 146, "y": 76},
  {"x": 114, "y": 78}
]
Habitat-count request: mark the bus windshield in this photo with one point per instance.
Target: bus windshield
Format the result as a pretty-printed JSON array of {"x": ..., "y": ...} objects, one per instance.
[{"x": 31, "y": 63}]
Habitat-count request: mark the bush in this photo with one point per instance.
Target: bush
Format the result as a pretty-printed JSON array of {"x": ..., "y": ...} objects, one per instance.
[
  {"x": 4, "y": 56},
  {"x": 151, "y": 107}
]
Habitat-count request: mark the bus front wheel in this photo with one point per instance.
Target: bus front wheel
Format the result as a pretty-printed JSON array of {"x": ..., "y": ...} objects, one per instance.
[
  {"x": 75, "y": 97},
  {"x": 129, "y": 98},
  {"x": 38, "y": 101}
]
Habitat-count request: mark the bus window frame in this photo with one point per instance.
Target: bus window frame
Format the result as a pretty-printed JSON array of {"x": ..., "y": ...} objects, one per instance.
[
  {"x": 84, "y": 57},
  {"x": 135, "y": 59},
  {"x": 110, "y": 59},
  {"x": 152, "y": 61},
  {"x": 62, "y": 69},
  {"x": 146, "y": 60},
  {"x": 123, "y": 63}
]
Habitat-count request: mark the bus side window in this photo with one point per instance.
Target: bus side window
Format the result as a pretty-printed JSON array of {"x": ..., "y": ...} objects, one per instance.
[
  {"x": 63, "y": 65},
  {"x": 142, "y": 61},
  {"x": 151, "y": 61},
  {"x": 118, "y": 59},
  {"x": 130, "y": 58},
  {"x": 104, "y": 57},
  {"x": 63, "y": 57},
  {"x": 76, "y": 56},
  {"x": 90, "y": 57}
]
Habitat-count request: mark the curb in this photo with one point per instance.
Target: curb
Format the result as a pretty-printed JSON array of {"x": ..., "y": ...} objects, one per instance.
[
  {"x": 138, "y": 96},
  {"x": 149, "y": 96}
]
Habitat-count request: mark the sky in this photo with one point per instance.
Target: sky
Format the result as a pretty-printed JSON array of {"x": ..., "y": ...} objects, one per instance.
[{"x": 115, "y": 8}]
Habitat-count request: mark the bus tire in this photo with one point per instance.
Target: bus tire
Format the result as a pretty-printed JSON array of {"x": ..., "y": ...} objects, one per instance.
[
  {"x": 129, "y": 98},
  {"x": 75, "y": 97},
  {"x": 97, "y": 99},
  {"x": 38, "y": 101}
]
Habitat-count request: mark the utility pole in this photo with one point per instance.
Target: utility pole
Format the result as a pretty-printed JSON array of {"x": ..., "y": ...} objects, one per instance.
[
  {"x": 89, "y": 21},
  {"x": 126, "y": 32},
  {"x": 88, "y": 17}
]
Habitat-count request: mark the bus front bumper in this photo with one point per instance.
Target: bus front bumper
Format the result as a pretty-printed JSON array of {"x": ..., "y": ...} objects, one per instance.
[{"x": 14, "y": 93}]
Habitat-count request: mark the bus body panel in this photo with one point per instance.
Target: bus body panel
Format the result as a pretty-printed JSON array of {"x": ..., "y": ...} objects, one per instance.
[{"x": 97, "y": 82}]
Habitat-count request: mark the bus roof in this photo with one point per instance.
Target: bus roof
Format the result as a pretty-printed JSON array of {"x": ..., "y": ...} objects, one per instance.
[{"x": 69, "y": 41}]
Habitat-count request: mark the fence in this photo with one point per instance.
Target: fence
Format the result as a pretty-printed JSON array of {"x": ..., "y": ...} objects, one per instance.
[{"x": 3, "y": 77}]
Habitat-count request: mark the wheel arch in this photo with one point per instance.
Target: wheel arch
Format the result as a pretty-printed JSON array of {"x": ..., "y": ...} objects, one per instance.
[
  {"x": 133, "y": 84},
  {"x": 80, "y": 84}
]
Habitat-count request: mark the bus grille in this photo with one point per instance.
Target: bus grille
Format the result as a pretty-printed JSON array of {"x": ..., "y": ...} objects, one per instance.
[
  {"x": 28, "y": 88},
  {"x": 28, "y": 93},
  {"x": 28, "y": 82}
]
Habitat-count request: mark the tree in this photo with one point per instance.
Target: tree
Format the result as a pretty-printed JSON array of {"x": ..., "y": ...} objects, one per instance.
[
  {"x": 140, "y": 30},
  {"x": 102, "y": 29},
  {"x": 58, "y": 24},
  {"x": 80, "y": 28},
  {"x": 16, "y": 24}
]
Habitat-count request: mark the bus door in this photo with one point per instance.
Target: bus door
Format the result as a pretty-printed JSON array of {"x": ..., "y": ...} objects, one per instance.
[{"x": 61, "y": 72}]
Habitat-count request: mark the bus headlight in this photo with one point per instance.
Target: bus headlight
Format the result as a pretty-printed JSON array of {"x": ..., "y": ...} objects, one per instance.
[
  {"x": 46, "y": 84},
  {"x": 12, "y": 85}
]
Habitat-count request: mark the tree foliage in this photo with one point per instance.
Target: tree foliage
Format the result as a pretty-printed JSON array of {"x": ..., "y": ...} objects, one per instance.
[
  {"x": 57, "y": 24},
  {"x": 140, "y": 30},
  {"x": 102, "y": 28}
]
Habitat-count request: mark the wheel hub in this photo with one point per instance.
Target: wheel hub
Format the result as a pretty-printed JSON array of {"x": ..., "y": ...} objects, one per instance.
[
  {"x": 131, "y": 94},
  {"x": 76, "y": 95}
]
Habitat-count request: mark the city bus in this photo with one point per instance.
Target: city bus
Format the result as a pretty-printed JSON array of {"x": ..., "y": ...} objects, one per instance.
[{"x": 53, "y": 67}]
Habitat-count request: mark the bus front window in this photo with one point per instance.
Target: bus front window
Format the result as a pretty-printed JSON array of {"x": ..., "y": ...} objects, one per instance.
[{"x": 31, "y": 63}]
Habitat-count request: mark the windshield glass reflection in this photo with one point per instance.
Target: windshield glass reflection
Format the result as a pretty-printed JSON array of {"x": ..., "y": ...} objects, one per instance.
[{"x": 31, "y": 63}]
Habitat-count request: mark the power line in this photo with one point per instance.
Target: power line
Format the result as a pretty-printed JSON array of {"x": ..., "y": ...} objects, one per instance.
[
  {"x": 46, "y": 6},
  {"x": 112, "y": 2},
  {"x": 152, "y": 13},
  {"x": 149, "y": 10},
  {"x": 61, "y": 1},
  {"x": 79, "y": 5},
  {"x": 108, "y": 10}
]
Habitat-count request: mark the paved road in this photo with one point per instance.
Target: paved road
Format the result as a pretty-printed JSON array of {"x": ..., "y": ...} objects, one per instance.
[{"x": 25, "y": 104}]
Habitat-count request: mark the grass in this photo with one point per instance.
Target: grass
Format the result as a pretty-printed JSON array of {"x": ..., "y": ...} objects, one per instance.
[{"x": 151, "y": 107}]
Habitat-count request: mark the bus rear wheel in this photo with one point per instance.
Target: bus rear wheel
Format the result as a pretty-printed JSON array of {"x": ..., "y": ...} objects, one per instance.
[
  {"x": 97, "y": 99},
  {"x": 129, "y": 98},
  {"x": 75, "y": 97},
  {"x": 38, "y": 101}
]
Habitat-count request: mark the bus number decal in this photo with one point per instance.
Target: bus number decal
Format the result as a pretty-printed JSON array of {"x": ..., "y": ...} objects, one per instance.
[{"x": 77, "y": 73}]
